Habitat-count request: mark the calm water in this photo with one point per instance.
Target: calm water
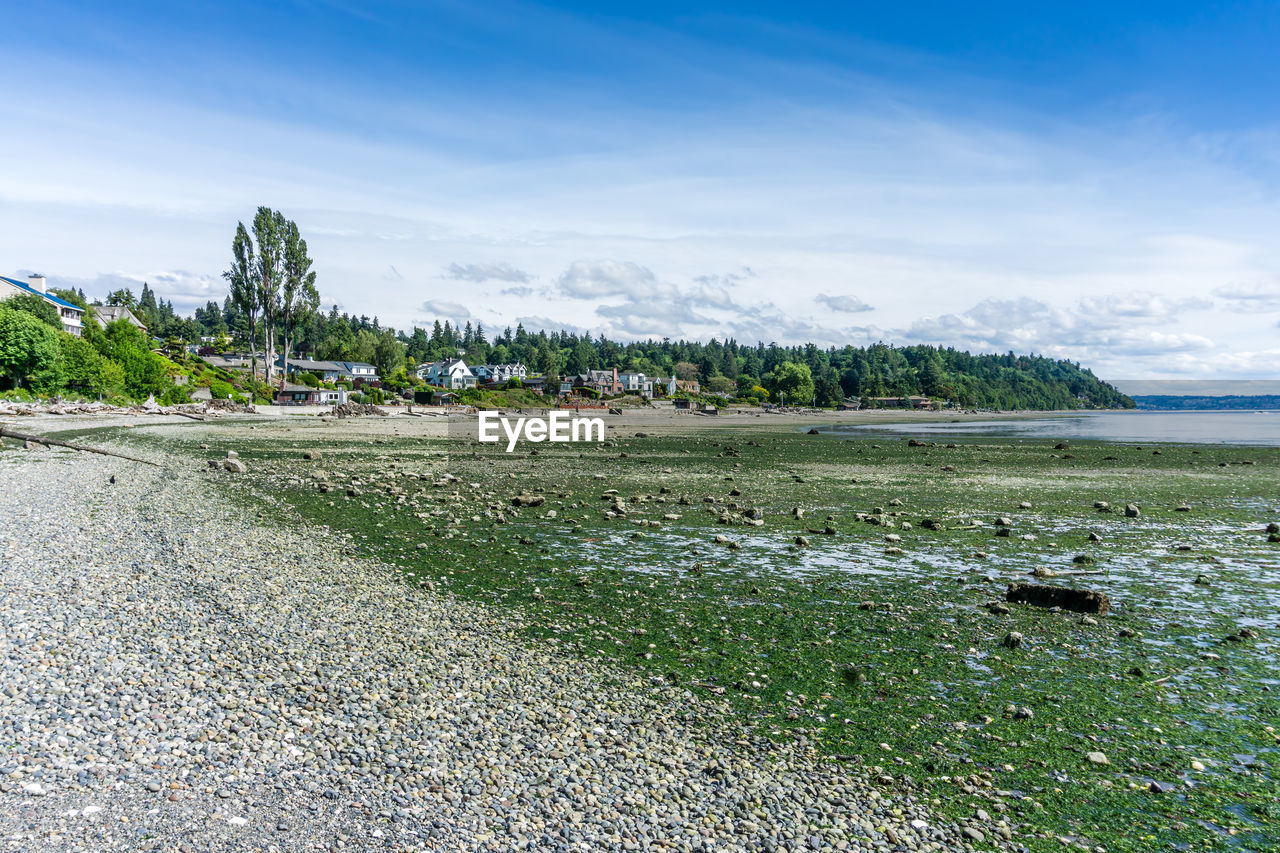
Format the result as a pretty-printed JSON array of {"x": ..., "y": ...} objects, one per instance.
[{"x": 1258, "y": 428}]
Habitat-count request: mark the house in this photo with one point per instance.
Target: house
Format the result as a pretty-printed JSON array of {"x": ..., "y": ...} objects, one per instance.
[
  {"x": 451, "y": 373},
  {"x": 535, "y": 382},
  {"x": 636, "y": 383},
  {"x": 446, "y": 398},
  {"x": 688, "y": 386},
  {"x": 110, "y": 313},
  {"x": 358, "y": 372},
  {"x": 328, "y": 371},
  {"x": 850, "y": 404},
  {"x": 604, "y": 382},
  {"x": 297, "y": 395},
  {"x": 71, "y": 315},
  {"x": 500, "y": 374}
]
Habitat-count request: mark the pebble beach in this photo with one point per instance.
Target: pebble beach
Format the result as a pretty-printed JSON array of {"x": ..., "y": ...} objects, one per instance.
[{"x": 177, "y": 676}]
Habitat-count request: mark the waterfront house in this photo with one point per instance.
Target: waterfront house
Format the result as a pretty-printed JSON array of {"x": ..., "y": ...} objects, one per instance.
[
  {"x": 70, "y": 315},
  {"x": 604, "y": 382},
  {"x": 110, "y": 313},
  {"x": 451, "y": 373},
  {"x": 636, "y": 383}
]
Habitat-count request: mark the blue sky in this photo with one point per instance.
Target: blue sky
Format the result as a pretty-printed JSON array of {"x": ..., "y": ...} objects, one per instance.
[{"x": 1086, "y": 180}]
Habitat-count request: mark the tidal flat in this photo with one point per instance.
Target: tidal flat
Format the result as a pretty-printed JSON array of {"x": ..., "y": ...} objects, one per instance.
[{"x": 850, "y": 592}]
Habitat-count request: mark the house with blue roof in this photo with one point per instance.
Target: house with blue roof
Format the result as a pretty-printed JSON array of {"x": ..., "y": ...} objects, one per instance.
[{"x": 72, "y": 315}]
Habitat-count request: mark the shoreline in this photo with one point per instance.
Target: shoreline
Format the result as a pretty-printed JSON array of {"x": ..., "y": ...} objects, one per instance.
[{"x": 232, "y": 664}]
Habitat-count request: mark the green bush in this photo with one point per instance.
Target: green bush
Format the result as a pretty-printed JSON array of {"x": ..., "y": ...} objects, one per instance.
[
  {"x": 221, "y": 390},
  {"x": 308, "y": 379},
  {"x": 38, "y": 307},
  {"x": 175, "y": 395},
  {"x": 514, "y": 383},
  {"x": 30, "y": 353}
]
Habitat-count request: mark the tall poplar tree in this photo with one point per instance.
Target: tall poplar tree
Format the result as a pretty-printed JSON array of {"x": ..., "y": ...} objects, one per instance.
[{"x": 299, "y": 298}]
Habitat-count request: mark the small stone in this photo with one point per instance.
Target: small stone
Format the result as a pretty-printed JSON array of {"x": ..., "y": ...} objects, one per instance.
[
  {"x": 1099, "y": 758},
  {"x": 1132, "y": 511}
]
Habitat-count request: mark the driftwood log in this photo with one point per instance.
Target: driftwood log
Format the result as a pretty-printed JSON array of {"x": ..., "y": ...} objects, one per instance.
[
  {"x": 1079, "y": 600},
  {"x": 42, "y": 439}
]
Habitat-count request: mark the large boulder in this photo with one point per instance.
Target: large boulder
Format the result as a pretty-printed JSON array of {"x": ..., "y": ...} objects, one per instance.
[{"x": 1078, "y": 600}]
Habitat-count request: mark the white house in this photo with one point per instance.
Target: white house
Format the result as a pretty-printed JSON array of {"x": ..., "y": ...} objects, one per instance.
[
  {"x": 71, "y": 315},
  {"x": 452, "y": 373},
  {"x": 636, "y": 383},
  {"x": 500, "y": 374},
  {"x": 358, "y": 371}
]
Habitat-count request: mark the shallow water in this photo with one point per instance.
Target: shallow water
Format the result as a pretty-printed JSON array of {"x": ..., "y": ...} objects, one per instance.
[{"x": 1250, "y": 428}]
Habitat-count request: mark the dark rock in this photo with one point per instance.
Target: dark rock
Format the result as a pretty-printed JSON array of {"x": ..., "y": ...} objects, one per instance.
[{"x": 1079, "y": 600}]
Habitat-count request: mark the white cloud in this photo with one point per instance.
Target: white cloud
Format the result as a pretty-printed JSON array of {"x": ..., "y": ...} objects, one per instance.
[
  {"x": 487, "y": 272},
  {"x": 1250, "y": 298},
  {"x": 845, "y": 304},
  {"x": 536, "y": 323},
  {"x": 1105, "y": 328},
  {"x": 445, "y": 310}
]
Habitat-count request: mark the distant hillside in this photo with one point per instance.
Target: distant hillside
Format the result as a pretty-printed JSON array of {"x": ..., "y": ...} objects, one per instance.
[{"x": 1171, "y": 402}]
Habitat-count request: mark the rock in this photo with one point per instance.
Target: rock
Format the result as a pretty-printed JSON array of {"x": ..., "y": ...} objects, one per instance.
[
  {"x": 1094, "y": 537},
  {"x": 1012, "y": 640},
  {"x": 930, "y": 524},
  {"x": 526, "y": 499},
  {"x": 1079, "y": 600},
  {"x": 1024, "y": 505},
  {"x": 802, "y": 542},
  {"x": 1182, "y": 508},
  {"x": 1098, "y": 758},
  {"x": 235, "y": 466},
  {"x": 1132, "y": 511},
  {"x": 34, "y": 445},
  {"x": 231, "y": 454},
  {"x": 1273, "y": 527},
  {"x": 1083, "y": 560},
  {"x": 312, "y": 455},
  {"x": 814, "y": 431},
  {"x": 1024, "y": 713},
  {"x": 1004, "y": 521},
  {"x": 1155, "y": 788},
  {"x": 973, "y": 834},
  {"x": 797, "y": 512},
  {"x": 1202, "y": 580}
]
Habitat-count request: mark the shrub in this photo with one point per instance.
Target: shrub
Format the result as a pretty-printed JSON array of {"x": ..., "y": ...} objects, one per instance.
[
  {"x": 514, "y": 383},
  {"x": 30, "y": 354},
  {"x": 221, "y": 390},
  {"x": 36, "y": 306},
  {"x": 174, "y": 395},
  {"x": 308, "y": 379}
]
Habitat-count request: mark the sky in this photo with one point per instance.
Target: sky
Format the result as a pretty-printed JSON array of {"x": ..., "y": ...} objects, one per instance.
[{"x": 1091, "y": 181}]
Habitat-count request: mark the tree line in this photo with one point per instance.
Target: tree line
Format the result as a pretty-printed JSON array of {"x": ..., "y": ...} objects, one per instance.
[{"x": 272, "y": 306}]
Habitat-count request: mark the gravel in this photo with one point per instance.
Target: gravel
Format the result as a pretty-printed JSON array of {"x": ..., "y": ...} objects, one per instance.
[{"x": 176, "y": 676}]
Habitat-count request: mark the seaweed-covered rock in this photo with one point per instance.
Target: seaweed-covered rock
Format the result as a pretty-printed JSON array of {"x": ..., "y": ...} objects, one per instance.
[{"x": 1079, "y": 600}]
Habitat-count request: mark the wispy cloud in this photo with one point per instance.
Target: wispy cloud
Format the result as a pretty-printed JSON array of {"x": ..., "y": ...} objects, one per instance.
[
  {"x": 487, "y": 272},
  {"x": 1249, "y": 298},
  {"x": 845, "y": 303}
]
